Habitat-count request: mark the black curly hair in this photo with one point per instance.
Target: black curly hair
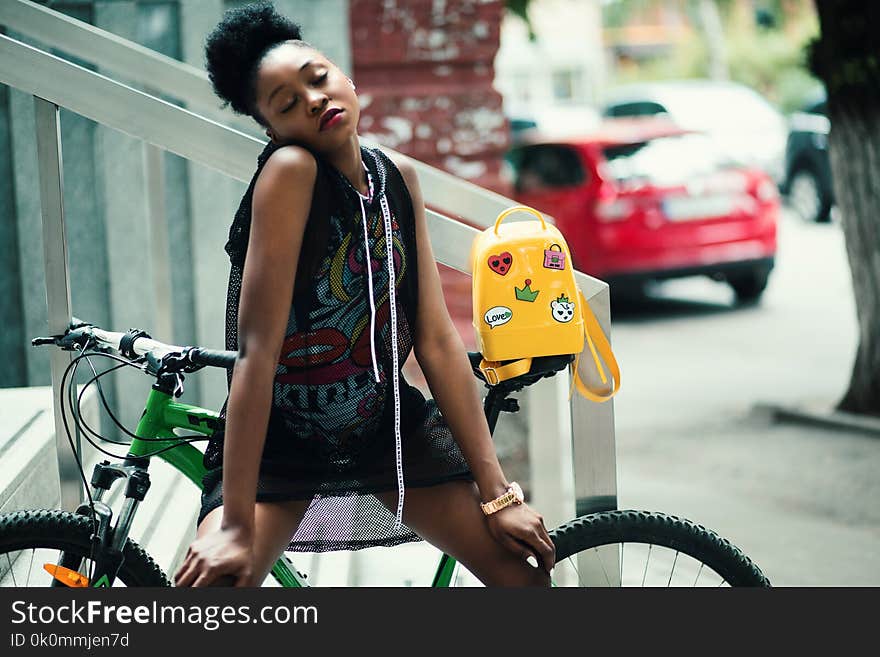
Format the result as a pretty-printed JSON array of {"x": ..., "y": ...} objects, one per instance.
[{"x": 237, "y": 45}]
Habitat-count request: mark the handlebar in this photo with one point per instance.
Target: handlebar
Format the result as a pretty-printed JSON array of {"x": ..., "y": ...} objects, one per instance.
[{"x": 137, "y": 343}]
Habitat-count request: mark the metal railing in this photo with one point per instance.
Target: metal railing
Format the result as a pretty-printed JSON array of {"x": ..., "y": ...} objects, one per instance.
[{"x": 571, "y": 444}]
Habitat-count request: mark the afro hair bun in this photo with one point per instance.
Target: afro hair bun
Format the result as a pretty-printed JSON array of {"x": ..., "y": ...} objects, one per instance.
[{"x": 236, "y": 46}]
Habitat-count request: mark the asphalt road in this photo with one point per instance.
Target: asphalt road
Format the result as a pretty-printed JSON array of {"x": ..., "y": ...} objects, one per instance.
[{"x": 801, "y": 501}]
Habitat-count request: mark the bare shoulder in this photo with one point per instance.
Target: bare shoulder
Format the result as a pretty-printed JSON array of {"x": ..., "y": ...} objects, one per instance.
[
  {"x": 291, "y": 168},
  {"x": 405, "y": 165},
  {"x": 408, "y": 171}
]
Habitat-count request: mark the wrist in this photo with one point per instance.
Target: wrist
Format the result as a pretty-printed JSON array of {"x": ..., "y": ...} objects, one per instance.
[
  {"x": 490, "y": 491},
  {"x": 512, "y": 495},
  {"x": 238, "y": 527}
]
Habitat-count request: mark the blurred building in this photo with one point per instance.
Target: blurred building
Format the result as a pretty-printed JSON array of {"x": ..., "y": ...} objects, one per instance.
[{"x": 556, "y": 78}]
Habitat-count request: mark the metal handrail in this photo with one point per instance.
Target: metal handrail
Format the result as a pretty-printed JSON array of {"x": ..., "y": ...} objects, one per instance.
[{"x": 131, "y": 61}]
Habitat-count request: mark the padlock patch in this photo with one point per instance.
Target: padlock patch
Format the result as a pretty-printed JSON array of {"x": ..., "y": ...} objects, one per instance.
[
  {"x": 500, "y": 263},
  {"x": 554, "y": 259}
]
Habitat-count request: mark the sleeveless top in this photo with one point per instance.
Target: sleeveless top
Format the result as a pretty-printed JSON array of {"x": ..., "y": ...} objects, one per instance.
[{"x": 345, "y": 428}]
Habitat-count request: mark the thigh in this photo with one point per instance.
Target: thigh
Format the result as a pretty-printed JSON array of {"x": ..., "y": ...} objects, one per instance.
[
  {"x": 449, "y": 517},
  {"x": 274, "y": 524}
]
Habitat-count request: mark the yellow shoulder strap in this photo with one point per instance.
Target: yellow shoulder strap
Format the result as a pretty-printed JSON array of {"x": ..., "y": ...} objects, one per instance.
[{"x": 593, "y": 331}]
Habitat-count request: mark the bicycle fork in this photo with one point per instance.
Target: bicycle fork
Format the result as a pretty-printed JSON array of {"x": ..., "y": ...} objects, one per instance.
[{"x": 107, "y": 543}]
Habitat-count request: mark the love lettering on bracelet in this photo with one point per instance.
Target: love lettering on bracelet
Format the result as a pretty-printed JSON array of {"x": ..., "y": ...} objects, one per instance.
[{"x": 513, "y": 495}]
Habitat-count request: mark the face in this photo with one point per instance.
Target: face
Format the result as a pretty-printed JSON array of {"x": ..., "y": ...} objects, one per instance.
[{"x": 306, "y": 99}]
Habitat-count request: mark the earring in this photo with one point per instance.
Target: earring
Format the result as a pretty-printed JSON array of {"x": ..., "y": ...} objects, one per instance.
[{"x": 351, "y": 82}]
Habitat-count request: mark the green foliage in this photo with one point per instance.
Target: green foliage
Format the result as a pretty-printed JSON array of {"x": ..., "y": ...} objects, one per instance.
[
  {"x": 845, "y": 55},
  {"x": 768, "y": 59},
  {"x": 773, "y": 63},
  {"x": 521, "y": 8}
]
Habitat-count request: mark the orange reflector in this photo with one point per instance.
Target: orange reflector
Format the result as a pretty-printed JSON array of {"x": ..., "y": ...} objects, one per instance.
[{"x": 66, "y": 576}]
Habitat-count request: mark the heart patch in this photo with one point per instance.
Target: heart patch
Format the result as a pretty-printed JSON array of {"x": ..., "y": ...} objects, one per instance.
[{"x": 500, "y": 263}]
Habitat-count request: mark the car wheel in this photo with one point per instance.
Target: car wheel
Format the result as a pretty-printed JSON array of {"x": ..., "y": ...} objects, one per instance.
[
  {"x": 806, "y": 197},
  {"x": 750, "y": 285}
]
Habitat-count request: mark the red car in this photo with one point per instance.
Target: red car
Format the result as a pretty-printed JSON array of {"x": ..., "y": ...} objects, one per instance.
[{"x": 643, "y": 200}]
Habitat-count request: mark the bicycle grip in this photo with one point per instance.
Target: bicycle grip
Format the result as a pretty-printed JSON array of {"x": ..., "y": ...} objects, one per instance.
[{"x": 213, "y": 358}]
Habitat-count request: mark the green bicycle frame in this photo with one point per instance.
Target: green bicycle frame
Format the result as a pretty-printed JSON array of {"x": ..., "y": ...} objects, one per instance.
[{"x": 163, "y": 414}]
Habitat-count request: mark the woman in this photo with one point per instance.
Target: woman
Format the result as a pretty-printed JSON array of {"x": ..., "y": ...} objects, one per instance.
[{"x": 324, "y": 439}]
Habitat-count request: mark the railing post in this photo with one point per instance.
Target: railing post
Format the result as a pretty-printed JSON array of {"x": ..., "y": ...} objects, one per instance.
[
  {"x": 49, "y": 166},
  {"x": 593, "y": 448}
]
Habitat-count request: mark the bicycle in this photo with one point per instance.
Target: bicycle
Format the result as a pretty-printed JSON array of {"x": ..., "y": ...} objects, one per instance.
[{"x": 93, "y": 553}]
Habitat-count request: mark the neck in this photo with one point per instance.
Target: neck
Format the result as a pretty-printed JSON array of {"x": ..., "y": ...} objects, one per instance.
[{"x": 347, "y": 160}]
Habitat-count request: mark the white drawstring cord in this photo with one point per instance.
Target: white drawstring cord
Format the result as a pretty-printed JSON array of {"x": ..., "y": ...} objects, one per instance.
[
  {"x": 368, "y": 263},
  {"x": 392, "y": 302}
]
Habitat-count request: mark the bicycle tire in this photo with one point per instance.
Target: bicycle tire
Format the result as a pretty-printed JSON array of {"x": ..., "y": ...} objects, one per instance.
[
  {"x": 658, "y": 529},
  {"x": 69, "y": 533}
]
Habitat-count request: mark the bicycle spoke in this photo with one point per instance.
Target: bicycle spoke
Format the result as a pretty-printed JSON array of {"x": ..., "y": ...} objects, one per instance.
[
  {"x": 622, "y": 548},
  {"x": 580, "y": 583},
  {"x": 646, "y": 565},
  {"x": 698, "y": 574},
  {"x": 604, "y": 572},
  {"x": 673, "y": 569},
  {"x": 30, "y": 565},
  {"x": 11, "y": 570}
]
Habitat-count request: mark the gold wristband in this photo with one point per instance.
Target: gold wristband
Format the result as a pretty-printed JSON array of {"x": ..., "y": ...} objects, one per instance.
[{"x": 513, "y": 495}]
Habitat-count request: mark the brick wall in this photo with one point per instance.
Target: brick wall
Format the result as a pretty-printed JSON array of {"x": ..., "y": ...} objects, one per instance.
[{"x": 424, "y": 72}]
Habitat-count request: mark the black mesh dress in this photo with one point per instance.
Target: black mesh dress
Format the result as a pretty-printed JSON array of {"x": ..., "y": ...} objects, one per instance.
[{"x": 331, "y": 434}]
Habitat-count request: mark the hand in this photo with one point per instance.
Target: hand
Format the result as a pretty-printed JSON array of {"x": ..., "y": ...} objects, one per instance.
[
  {"x": 225, "y": 554},
  {"x": 521, "y": 530}
]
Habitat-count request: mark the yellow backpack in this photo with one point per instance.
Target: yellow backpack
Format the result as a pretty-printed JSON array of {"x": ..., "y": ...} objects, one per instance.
[{"x": 526, "y": 303}]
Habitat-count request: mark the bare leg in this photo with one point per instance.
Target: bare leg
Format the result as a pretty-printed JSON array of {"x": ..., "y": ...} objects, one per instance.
[
  {"x": 274, "y": 524},
  {"x": 448, "y": 516}
]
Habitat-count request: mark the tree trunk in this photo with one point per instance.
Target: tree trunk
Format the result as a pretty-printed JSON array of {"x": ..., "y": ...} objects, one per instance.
[
  {"x": 855, "y": 160},
  {"x": 845, "y": 57},
  {"x": 713, "y": 32}
]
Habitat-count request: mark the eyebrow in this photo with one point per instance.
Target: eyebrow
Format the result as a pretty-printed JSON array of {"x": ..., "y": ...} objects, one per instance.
[{"x": 274, "y": 91}]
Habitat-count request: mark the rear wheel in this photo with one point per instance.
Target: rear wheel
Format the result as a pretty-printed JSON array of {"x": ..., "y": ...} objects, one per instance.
[
  {"x": 30, "y": 540},
  {"x": 807, "y": 197},
  {"x": 640, "y": 548},
  {"x": 749, "y": 285}
]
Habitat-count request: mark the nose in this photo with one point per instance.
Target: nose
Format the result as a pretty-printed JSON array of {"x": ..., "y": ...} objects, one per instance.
[{"x": 317, "y": 102}]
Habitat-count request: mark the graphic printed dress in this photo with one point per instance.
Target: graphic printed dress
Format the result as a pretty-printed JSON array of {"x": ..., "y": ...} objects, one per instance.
[{"x": 331, "y": 434}]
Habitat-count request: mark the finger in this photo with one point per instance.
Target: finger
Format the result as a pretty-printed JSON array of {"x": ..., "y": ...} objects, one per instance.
[
  {"x": 528, "y": 552},
  {"x": 536, "y": 545},
  {"x": 515, "y": 546},
  {"x": 186, "y": 574},
  {"x": 205, "y": 578},
  {"x": 546, "y": 551}
]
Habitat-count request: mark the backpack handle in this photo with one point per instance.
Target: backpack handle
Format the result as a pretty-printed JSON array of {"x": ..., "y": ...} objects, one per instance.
[{"x": 518, "y": 208}]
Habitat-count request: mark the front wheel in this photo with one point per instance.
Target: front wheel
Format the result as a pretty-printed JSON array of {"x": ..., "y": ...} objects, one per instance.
[
  {"x": 640, "y": 548},
  {"x": 32, "y": 540}
]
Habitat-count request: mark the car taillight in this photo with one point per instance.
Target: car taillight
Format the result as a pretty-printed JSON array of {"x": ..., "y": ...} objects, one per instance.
[{"x": 615, "y": 209}]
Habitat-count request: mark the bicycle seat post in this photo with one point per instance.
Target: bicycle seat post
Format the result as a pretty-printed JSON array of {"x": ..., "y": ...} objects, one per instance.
[{"x": 494, "y": 404}]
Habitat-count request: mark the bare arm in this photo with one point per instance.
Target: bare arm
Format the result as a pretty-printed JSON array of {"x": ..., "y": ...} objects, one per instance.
[
  {"x": 282, "y": 197},
  {"x": 443, "y": 358}
]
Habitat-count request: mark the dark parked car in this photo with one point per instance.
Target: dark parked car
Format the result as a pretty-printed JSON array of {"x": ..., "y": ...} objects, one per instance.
[{"x": 807, "y": 169}]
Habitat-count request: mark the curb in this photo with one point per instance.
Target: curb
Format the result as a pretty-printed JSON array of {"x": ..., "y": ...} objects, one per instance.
[{"x": 820, "y": 418}]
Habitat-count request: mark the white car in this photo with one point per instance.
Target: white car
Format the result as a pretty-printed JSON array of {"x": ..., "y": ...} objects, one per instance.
[{"x": 743, "y": 123}]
